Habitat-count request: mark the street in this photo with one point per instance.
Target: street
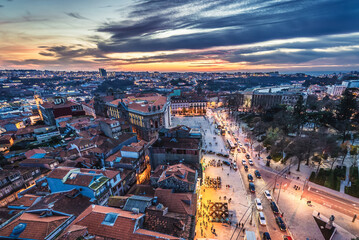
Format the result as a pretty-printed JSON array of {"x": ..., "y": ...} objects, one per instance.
[{"x": 292, "y": 203}]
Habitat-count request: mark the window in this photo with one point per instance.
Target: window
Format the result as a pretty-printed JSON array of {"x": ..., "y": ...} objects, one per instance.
[{"x": 110, "y": 219}]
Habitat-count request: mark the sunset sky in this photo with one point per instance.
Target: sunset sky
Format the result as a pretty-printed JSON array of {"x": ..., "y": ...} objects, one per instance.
[{"x": 180, "y": 35}]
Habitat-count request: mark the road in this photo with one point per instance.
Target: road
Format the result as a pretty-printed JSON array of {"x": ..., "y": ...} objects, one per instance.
[{"x": 265, "y": 183}]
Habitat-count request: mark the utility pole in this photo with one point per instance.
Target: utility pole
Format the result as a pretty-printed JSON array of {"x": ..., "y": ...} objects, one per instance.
[
  {"x": 279, "y": 192},
  {"x": 301, "y": 196},
  {"x": 252, "y": 215}
]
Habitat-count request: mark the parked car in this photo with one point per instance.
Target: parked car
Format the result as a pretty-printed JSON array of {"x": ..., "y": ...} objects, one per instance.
[
  {"x": 246, "y": 168},
  {"x": 235, "y": 168},
  {"x": 258, "y": 203},
  {"x": 243, "y": 150},
  {"x": 262, "y": 219},
  {"x": 252, "y": 188},
  {"x": 250, "y": 177},
  {"x": 250, "y": 162},
  {"x": 274, "y": 207},
  {"x": 281, "y": 224},
  {"x": 238, "y": 150},
  {"x": 266, "y": 236},
  {"x": 247, "y": 156},
  {"x": 258, "y": 175},
  {"x": 287, "y": 237},
  {"x": 267, "y": 194},
  {"x": 226, "y": 162},
  {"x": 244, "y": 162}
]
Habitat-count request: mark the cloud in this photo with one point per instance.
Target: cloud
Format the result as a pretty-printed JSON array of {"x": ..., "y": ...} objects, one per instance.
[
  {"x": 254, "y": 22},
  {"x": 76, "y": 15}
]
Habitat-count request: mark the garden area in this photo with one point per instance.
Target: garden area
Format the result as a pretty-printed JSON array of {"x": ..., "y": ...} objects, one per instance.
[
  {"x": 353, "y": 190},
  {"x": 329, "y": 178}
]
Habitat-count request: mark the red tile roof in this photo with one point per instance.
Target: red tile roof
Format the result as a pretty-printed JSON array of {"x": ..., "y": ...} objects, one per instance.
[
  {"x": 37, "y": 227},
  {"x": 32, "y": 152},
  {"x": 123, "y": 228},
  {"x": 184, "y": 203},
  {"x": 27, "y": 200},
  {"x": 177, "y": 171}
]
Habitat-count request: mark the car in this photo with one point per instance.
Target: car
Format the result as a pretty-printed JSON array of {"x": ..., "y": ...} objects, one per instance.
[
  {"x": 238, "y": 150},
  {"x": 262, "y": 219},
  {"x": 274, "y": 207},
  {"x": 247, "y": 156},
  {"x": 281, "y": 224},
  {"x": 226, "y": 162},
  {"x": 267, "y": 194},
  {"x": 258, "y": 175},
  {"x": 235, "y": 168},
  {"x": 287, "y": 237},
  {"x": 244, "y": 162},
  {"x": 250, "y": 177},
  {"x": 252, "y": 188},
  {"x": 226, "y": 155},
  {"x": 243, "y": 150},
  {"x": 250, "y": 162},
  {"x": 266, "y": 236},
  {"x": 246, "y": 168},
  {"x": 258, "y": 203}
]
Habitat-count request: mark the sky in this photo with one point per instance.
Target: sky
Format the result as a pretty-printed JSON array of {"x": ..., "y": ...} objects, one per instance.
[{"x": 180, "y": 35}]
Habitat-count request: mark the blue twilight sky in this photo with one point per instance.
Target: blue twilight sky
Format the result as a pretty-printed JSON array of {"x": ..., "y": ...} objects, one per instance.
[{"x": 180, "y": 35}]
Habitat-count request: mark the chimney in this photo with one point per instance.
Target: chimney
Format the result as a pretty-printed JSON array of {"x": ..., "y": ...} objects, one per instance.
[{"x": 135, "y": 211}]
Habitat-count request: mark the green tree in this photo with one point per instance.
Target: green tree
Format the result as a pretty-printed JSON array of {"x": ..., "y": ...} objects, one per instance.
[
  {"x": 354, "y": 154},
  {"x": 299, "y": 114},
  {"x": 345, "y": 113}
]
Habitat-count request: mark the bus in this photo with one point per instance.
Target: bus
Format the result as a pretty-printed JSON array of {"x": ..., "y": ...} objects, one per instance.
[{"x": 231, "y": 145}]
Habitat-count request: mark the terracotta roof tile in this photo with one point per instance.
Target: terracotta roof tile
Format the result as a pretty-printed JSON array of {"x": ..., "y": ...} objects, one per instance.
[
  {"x": 184, "y": 203},
  {"x": 123, "y": 227},
  {"x": 36, "y": 227}
]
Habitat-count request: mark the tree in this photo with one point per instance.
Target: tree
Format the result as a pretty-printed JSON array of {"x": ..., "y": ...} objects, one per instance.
[
  {"x": 299, "y": 113},
  {"x": 334, "y": 153},
  {"x": 344, "y": 150},
  {"x": 298, "y": 148},
  {"x": 272, "y": 135},
  {"x": 345, "y": 112},
  {"x": 354, "y": 153}
]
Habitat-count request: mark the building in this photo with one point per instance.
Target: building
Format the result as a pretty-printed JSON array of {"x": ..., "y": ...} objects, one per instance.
[
  {"x": 112, "y": 223},
  {"x": 10, "y": 182},
  {"x": 43, "y": 163},
  {"x": 188, "y": 104},
  {"x": 113, "y": 128},
  {"x": 37, "y": 224},
  {"x": 351, "y": 83},
  {"x": 336, "y": 90},
  {"x": 95, "y": 184},
  {"x": 103, "y": 72},
  {"x": 44, "y": 134},
  {"x": 179, "y": 178},
  {"x": 6, "y": 141},
  {"x": 59, "y": 107},
  {"x": 266, "y": 100},
  {"x": 147, "y": 113},
  {"x": 180, "y": 144},
  {"x": 100, "y": 146}
]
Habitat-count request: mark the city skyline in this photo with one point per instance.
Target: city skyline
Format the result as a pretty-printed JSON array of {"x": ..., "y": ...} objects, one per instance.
[{"x": 180, "y": 36}]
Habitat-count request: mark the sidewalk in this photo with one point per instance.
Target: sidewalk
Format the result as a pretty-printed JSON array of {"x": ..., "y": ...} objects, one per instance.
[
  {"x": 301, "y": 176},
  {"x": 341, "y": 233},
  {"x": 345, "y": 183}
]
